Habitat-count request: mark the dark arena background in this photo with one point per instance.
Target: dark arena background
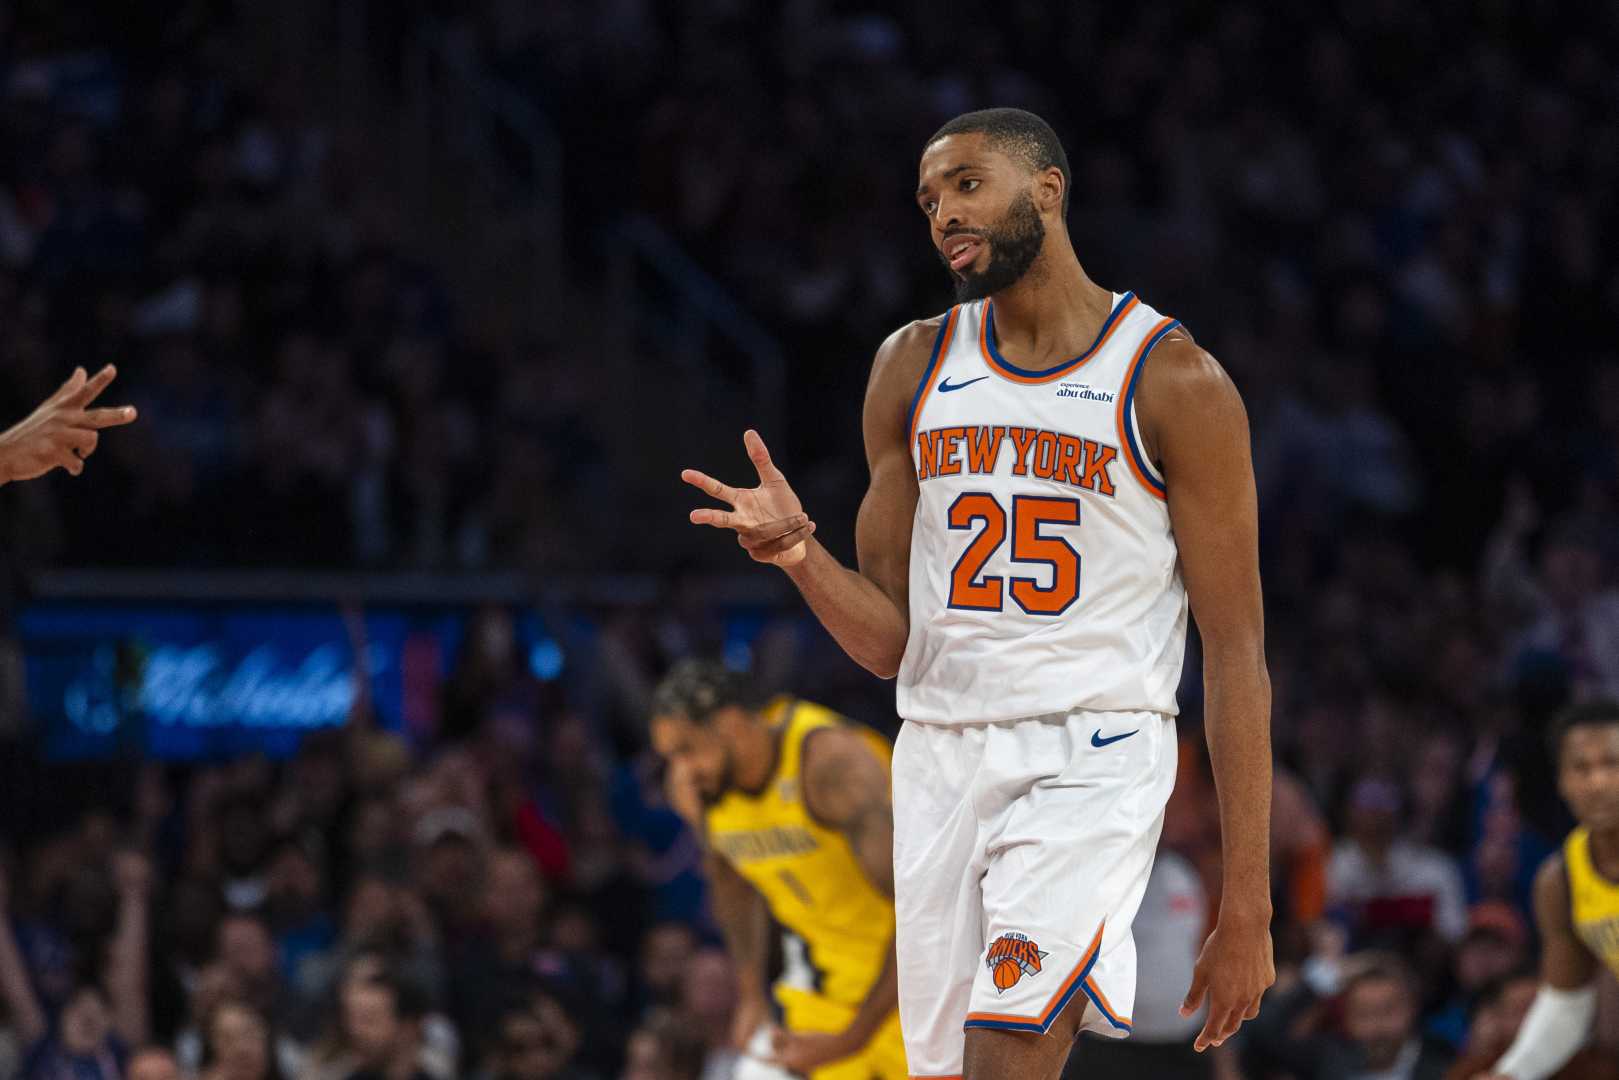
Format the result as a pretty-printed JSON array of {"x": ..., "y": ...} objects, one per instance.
[{"x": 337, "y": 664}]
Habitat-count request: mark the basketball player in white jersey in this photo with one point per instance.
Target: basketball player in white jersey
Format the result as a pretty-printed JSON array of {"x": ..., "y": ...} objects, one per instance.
[{"x": 1056, "y": 471}]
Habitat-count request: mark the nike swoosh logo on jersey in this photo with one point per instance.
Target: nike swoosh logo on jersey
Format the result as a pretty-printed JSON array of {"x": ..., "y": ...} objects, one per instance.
[
  {"x": 1098, "y": 741},
  {"x": 945, "y": 387}
]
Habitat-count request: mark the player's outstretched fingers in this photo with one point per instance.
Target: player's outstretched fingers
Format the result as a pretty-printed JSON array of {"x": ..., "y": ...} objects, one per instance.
[
  {"x": 719, "y": 519},
  {"x": 105, "y": 418},
  {"x": 93, "y": 386},
  {"x": 760, "y": 456},
  {"x": 75, "y": 383},
  {"x": 710, "y": 486}
]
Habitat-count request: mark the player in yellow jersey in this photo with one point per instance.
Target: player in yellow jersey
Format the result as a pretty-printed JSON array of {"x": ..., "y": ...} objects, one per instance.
[
  {"x": 793, "y": 806},
  {"x": 1576, "y": 899}
]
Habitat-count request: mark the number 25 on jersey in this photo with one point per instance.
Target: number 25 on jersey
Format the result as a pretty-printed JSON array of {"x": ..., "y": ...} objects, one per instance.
[{"x": 972, "y": 590}]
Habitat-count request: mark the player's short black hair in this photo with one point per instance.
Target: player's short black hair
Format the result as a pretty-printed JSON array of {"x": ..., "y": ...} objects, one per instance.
[
  {"x": 1019, "y": 134},
  {"x": 1587, "y": 714},
  {"x": 697, "y": 689}
]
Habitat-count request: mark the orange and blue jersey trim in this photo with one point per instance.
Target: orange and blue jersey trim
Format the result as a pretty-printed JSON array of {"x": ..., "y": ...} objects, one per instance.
[
  {"x": 1078, "y": 980},
  {"x": 1125, "y": 414},
  {"x": 999, "y": 365},
  {"x": 947, "y": 330}
]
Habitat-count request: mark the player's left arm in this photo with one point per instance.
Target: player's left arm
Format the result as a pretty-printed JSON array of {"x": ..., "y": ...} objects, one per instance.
[
  {"x": 846, "y": 788},
  {"x": 1196, "y": 429}
]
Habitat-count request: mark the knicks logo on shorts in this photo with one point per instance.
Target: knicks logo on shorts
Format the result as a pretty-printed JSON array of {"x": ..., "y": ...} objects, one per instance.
[{"x": 1012, "y": 956}]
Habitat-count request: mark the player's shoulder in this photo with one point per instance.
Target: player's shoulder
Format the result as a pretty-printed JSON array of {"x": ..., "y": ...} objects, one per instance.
[
  {"x": 830, "y": 749},
  {"x": 1182, "y": 382},
  {"x": 911, "y": 345},
  {"x": 840, "y": 770},
  {"x": 1553, "y": 896},
  {"x": 900, "y": 362},
  {"x": 1179, "y": 365}
]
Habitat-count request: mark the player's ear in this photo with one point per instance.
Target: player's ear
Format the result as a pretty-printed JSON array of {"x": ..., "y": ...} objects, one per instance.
[{"x": 1049, "y": 187}]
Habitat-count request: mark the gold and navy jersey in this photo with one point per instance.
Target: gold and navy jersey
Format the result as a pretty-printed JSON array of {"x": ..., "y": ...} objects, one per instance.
[
  {"x": 807, "y": 873},
  {"x": 1595, "y": 900}
]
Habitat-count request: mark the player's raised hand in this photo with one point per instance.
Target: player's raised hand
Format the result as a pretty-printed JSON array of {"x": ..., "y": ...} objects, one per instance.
[
  {"x": 768, "y": 520},
  {"x": 63, "y": 431},
  {"x": 1233, "y": 971}
]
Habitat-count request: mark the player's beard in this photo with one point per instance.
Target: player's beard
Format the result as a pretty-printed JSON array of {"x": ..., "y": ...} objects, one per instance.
[{"x": 1014, "y": 243}]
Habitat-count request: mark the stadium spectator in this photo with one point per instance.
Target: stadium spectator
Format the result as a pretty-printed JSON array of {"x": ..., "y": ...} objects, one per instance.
[
  {"x": 153, "y": 1063},
  {"x": 378, "y": 1033},
  {"x": 707, "y": 1006},
  {"x": 1495, "y": 946},
  {"x": 239, "y": 1044},
  {"x": 1390, "y": 885},
  {"x": 538, "y": 1039},
  {"x": 662, "y": 1049}
]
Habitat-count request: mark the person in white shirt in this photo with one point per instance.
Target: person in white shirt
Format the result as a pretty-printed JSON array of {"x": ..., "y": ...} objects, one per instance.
[{"x": 1387, "y": 881}]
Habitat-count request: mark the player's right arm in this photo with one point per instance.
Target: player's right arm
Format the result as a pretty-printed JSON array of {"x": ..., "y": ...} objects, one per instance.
[
  {"x": 1560, "y": 1019},
  {"x": 738, "y": 908},
  {"x": 866, "y": 610},
  {"x": 744, "y": 920}
]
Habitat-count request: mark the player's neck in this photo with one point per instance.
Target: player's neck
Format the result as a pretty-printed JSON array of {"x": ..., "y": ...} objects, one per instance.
[
  {"x": 757, "y": 764},
  {"x": 1605, "y": 852},
  {"x": 1053, "y": 312}
]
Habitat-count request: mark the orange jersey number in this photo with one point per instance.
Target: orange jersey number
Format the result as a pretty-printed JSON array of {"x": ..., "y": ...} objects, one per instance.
[
  {"x": 965, "y": 590},
  {"x": 972, "y": 590}
]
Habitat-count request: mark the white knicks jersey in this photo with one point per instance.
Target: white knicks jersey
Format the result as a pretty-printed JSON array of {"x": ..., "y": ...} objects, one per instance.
[{"x": 1044, "y": 576}]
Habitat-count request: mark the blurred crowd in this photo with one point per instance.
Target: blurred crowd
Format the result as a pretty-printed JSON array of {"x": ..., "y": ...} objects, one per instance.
[
  {"x": 177, "y": 200},
  {"x": 1392, "y": 222}
]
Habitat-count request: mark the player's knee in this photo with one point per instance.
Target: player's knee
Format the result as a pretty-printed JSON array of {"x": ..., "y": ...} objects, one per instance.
[{"x": 994, "y": 1055}]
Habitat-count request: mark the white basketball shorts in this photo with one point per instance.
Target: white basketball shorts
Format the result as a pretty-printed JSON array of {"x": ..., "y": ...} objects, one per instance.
[{"x": 1021, "y": 852}]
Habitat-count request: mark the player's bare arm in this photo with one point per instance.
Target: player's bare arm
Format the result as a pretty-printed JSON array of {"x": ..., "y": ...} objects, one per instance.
[
  {"x": 744, "y": 920},
  {"x": 63, "y": 431},
  {"x": 866, "y": 611},
  {"x": 1565, "y": 962},
  {"x": 1566, "y": 968},
  {"x": 846, "y": 788},
  {"x": 742, "y": 914},
  {"x": 1196, "y": 428}
]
